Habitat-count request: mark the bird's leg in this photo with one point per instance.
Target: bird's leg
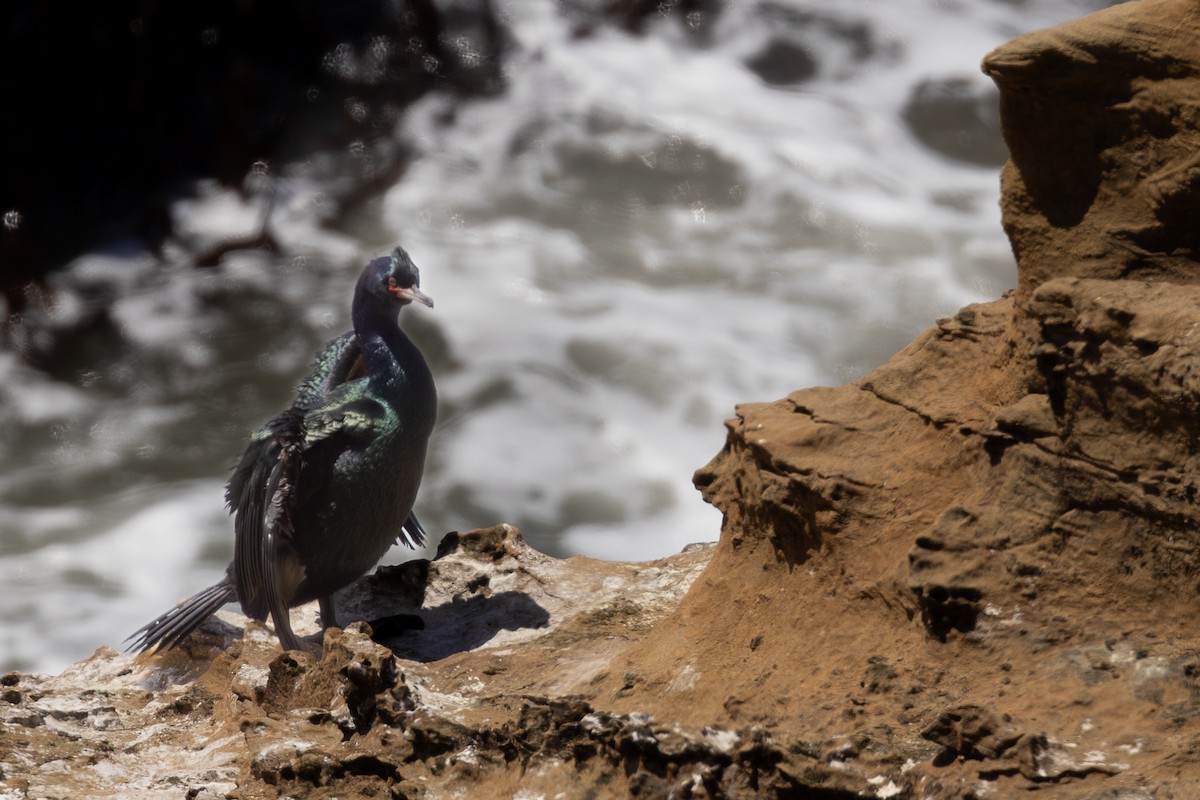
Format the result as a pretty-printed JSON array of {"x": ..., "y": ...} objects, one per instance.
[
  {"x": 283, "y": 574},
  {"x": 328, "y": 618},
  {"x": 315, "y": 642},
  {"x": 283, "y": 629}
]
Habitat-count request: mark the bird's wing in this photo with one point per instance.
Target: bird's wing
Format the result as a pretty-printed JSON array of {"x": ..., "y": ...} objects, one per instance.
[
  {"x": 347, "y": 419},
  {"x": 262, "y": 490},
  {"x": 273, "y": 479},
  {"x": 261, "y": 494},
  {"x": 278, "y": 527},
  {"x": 339, "y": 362},
  {"x": 244, "y": 497},
  {"x": 346, "y": 413}
]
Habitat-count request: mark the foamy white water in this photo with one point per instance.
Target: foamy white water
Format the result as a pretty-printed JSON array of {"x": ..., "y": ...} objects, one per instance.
[{"x": 637, "y": 234}]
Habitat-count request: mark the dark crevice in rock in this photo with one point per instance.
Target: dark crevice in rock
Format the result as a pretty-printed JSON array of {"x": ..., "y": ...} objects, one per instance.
[
  {"x": 868, "y": 386},
  {"x": 947, "y": 608}
]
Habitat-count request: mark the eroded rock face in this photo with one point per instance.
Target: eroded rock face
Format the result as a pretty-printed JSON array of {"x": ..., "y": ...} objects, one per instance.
[
  {"x": 1006, "y": 511},
  {"x": 970, "y": 574},
  {"x": 1102, "y": 120}
]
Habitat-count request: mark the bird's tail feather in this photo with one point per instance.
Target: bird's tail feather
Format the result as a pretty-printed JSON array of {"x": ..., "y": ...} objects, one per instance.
[
  {"x": 412, "y": 533},
  {"x": 173, "y": 627}
]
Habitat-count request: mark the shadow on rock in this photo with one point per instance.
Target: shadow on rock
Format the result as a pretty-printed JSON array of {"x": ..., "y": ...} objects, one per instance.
[{"x": 461, "y": 625}]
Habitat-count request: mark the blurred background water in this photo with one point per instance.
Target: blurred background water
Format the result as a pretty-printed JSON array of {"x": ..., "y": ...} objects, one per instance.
[{"x": 640, "y": 229}]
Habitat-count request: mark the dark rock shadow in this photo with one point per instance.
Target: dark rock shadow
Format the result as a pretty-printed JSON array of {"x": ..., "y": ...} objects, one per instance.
[
  {"x": 393, "y": 601},
  {"x": 465, "y": 624}
]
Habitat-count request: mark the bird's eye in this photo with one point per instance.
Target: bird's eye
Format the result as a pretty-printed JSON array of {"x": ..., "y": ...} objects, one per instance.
[{"x": 392, "y": 285}]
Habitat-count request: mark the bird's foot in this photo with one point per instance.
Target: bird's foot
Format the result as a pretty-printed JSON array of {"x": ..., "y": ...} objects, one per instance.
[{"x": 314, "y": 643}]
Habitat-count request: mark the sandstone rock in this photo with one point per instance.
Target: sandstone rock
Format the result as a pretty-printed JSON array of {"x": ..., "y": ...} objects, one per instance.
[
  {"x": 1100, "y": 119},
  {"x": 970, "y": 574},
  {"x": 972, "y": 732}
]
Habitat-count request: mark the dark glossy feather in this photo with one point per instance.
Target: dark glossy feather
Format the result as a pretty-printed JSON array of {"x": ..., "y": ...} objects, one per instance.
[
  {"x": 174, "y": 626},
  {"x": 261, "y": 495},
  {"x": 338, "y": 362}
]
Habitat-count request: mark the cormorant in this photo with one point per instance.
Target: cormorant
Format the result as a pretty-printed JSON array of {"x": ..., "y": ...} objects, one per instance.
[{"x": 324, "y": 489}]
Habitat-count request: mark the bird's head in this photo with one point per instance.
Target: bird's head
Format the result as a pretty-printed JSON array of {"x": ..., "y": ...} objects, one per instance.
[{"x": 396, "y": 278}]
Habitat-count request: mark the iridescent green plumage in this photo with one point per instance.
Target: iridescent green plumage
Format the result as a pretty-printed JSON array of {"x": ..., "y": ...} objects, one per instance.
[{"x": 323, "y": 489}]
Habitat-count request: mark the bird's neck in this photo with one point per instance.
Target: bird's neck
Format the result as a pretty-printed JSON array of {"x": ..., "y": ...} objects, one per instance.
[
  {"x": 379, "y": 336},
  {"x": 396, "y": 370}
]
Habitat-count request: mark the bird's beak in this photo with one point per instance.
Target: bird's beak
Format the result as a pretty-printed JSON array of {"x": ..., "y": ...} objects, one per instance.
[{"x": 413, "y": 294}]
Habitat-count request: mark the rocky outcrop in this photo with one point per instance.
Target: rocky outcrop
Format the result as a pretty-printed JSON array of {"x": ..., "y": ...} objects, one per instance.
[
  {"x": 970, "y": 574},
  {"x": 1005, "y": 513},
  {"x": 492, "y": 687},
  {"x": 1100, "y": 116}
]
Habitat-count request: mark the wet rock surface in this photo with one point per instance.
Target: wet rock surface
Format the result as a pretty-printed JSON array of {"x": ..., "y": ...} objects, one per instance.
[
  {"x": 517, "y": 636},
  {"x": 970, "y": 574}
]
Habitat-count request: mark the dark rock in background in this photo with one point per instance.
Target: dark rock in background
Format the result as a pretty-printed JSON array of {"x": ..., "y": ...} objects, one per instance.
[
  {"x": 112, "y": 109},
  {"x": 782, "y": 62},
  {"x": 958, "y": 117}
]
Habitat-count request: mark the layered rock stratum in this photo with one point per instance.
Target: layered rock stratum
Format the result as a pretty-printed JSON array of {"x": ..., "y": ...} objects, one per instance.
[{"x": 971, "y": 574}]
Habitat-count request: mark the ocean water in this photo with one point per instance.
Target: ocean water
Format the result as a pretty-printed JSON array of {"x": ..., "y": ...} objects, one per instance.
[{"x": 639, "y": 233}]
